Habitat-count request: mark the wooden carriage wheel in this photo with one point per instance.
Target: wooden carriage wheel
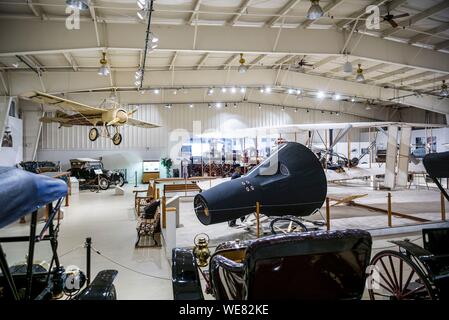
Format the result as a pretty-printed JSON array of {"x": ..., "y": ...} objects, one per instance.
[{"x": 397, "y": 278}]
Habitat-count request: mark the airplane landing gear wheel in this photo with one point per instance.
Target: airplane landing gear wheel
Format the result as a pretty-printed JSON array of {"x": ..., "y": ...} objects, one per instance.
[
  {"x": 117, "y": 139},
  {"x": 93, "y": 134}
]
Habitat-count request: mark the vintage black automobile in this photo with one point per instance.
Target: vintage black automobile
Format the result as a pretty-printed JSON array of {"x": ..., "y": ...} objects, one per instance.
[
  {"x": 40, "y": 166},
  {"x": 315, "y": 265},
  {"x": 21, "y": 194},
  {"x": 90, "y": 172}
]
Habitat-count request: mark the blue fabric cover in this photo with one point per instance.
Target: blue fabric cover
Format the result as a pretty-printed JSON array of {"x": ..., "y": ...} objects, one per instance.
[{"x": 23, "y": 192}]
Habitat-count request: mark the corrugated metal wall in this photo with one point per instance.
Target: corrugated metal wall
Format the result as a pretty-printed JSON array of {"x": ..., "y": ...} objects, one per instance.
[{"x": 182, "y": 117}]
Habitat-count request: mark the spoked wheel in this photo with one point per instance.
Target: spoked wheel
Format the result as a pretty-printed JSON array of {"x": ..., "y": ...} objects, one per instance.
[
  {"x": 93, "y": 134},
  {"x": 119, "y": 181},
  {"x": 286, "y": 225},
  {"x": 394, "y": 276},
  {"x": 117, "y": 139},
  {"x": 103, "y": 183}
]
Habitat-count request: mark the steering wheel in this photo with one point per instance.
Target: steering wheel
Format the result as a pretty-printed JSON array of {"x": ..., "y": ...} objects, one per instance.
[{"x": 284, "y": 225}]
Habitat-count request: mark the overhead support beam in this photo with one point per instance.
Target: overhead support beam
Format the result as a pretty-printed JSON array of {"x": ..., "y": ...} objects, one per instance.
[
  {"x": 172, "y": 61},
  {"x": 194, "y": 14},
  {"x": 217, "y": 78},
  {"x": 243, "y": 7},
  {"x": 280, "y": 14},
  {"x": 324, "y": 62},
  {"x": 326, "y": 10},
  {"x": 391, "y": 74},
  {"x": 418, "y": 17},
  {"x": 442, "y": 45},
  {"x": 257, "y": 60},
  {"x": 202, "y": 61},
  {"x": 375, "y": 68},
  {"x": 429, "y": 82},
  {"x": 230, "y": 61},
  {"x": 413, "y": 77},
  {"x": 94, "y": 19},
  {"x": 358, "y": 14},
  {"x": 38, "y": 12},
  {"x": 71, "y": 61},
  {"x": 282, "y": 61},
  {"x": 429, "y": 33},
  {"x": 14, "y": 36}
]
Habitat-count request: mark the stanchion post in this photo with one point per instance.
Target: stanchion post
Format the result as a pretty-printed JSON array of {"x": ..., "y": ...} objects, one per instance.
[
  {"x": 257, "y": 219},
  {"x": 389, "y": 209},
  {"x": 164, "y": 212},
  {"x": 443, "y": 207},
  {"x": 88, "y": 245},
  {"x": 328, "y": 215}
]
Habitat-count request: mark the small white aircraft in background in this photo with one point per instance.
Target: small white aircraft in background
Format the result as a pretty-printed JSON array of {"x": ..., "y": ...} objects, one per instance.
[
  {"x": 71, "y": 113},
  {"x": 349, "y": 168}
]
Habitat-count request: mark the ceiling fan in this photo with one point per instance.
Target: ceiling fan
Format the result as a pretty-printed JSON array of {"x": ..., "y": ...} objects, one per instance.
[
  {"x": 390, "y": 18},
  {"x": 301, "y": 64}
]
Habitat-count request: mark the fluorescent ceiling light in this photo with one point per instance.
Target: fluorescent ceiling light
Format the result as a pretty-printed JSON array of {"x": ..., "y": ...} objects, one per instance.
[{"x": 320, "y": 95}]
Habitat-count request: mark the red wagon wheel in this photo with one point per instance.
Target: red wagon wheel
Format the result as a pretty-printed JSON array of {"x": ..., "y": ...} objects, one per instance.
[{"x": 394, "y": 276}]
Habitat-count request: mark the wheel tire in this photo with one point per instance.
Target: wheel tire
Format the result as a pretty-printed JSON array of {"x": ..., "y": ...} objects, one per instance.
[
  {"x": 117, "y": 139},
  {"x": 103, "y": 183},
  {"x": 395, "y": 281},
  {"x": 121, "y": 181},
  {"x": 93, "y": 134}
]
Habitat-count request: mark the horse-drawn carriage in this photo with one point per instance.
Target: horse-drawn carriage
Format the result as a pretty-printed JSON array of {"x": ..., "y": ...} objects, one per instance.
[
  {"x": 416, "y": 272},
  {"x": 23, "y": 193}
]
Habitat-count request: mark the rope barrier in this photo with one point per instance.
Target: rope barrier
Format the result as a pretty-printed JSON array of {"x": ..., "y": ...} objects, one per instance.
[{"x": 128, "y": 268}]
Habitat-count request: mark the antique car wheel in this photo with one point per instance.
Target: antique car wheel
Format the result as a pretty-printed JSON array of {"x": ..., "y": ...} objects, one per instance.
[
  {"x": 93, "y": 134},
  {"x": 103, "y": 183},
  {"x": 398, "y": 278},
  {"x": 117, "y": 139},
  {"x": 286, "y": 225},
  {"x": 119, "y": 181}
]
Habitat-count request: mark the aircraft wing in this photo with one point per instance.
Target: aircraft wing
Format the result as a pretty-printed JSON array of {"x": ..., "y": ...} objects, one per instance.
[
  {"x": 61, "y": 103},
  {"x": 141, "y": 124},
  {"x": 353, "y": 173},
  {"x": 292, "y": 128}
]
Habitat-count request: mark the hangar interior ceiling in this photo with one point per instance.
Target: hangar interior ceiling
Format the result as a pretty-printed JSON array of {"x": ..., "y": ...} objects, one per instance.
[{"x": 200, "y": 46}]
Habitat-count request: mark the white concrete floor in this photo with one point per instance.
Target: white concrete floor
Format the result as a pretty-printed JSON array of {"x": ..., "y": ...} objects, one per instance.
[{"x": 111, "y": 222}]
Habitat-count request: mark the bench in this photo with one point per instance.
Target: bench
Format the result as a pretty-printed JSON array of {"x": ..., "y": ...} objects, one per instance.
[{"x": 184, "y": 187}]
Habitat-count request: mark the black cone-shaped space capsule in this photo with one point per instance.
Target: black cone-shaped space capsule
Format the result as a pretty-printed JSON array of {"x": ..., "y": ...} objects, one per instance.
[{"x": 289, "y": 182}]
